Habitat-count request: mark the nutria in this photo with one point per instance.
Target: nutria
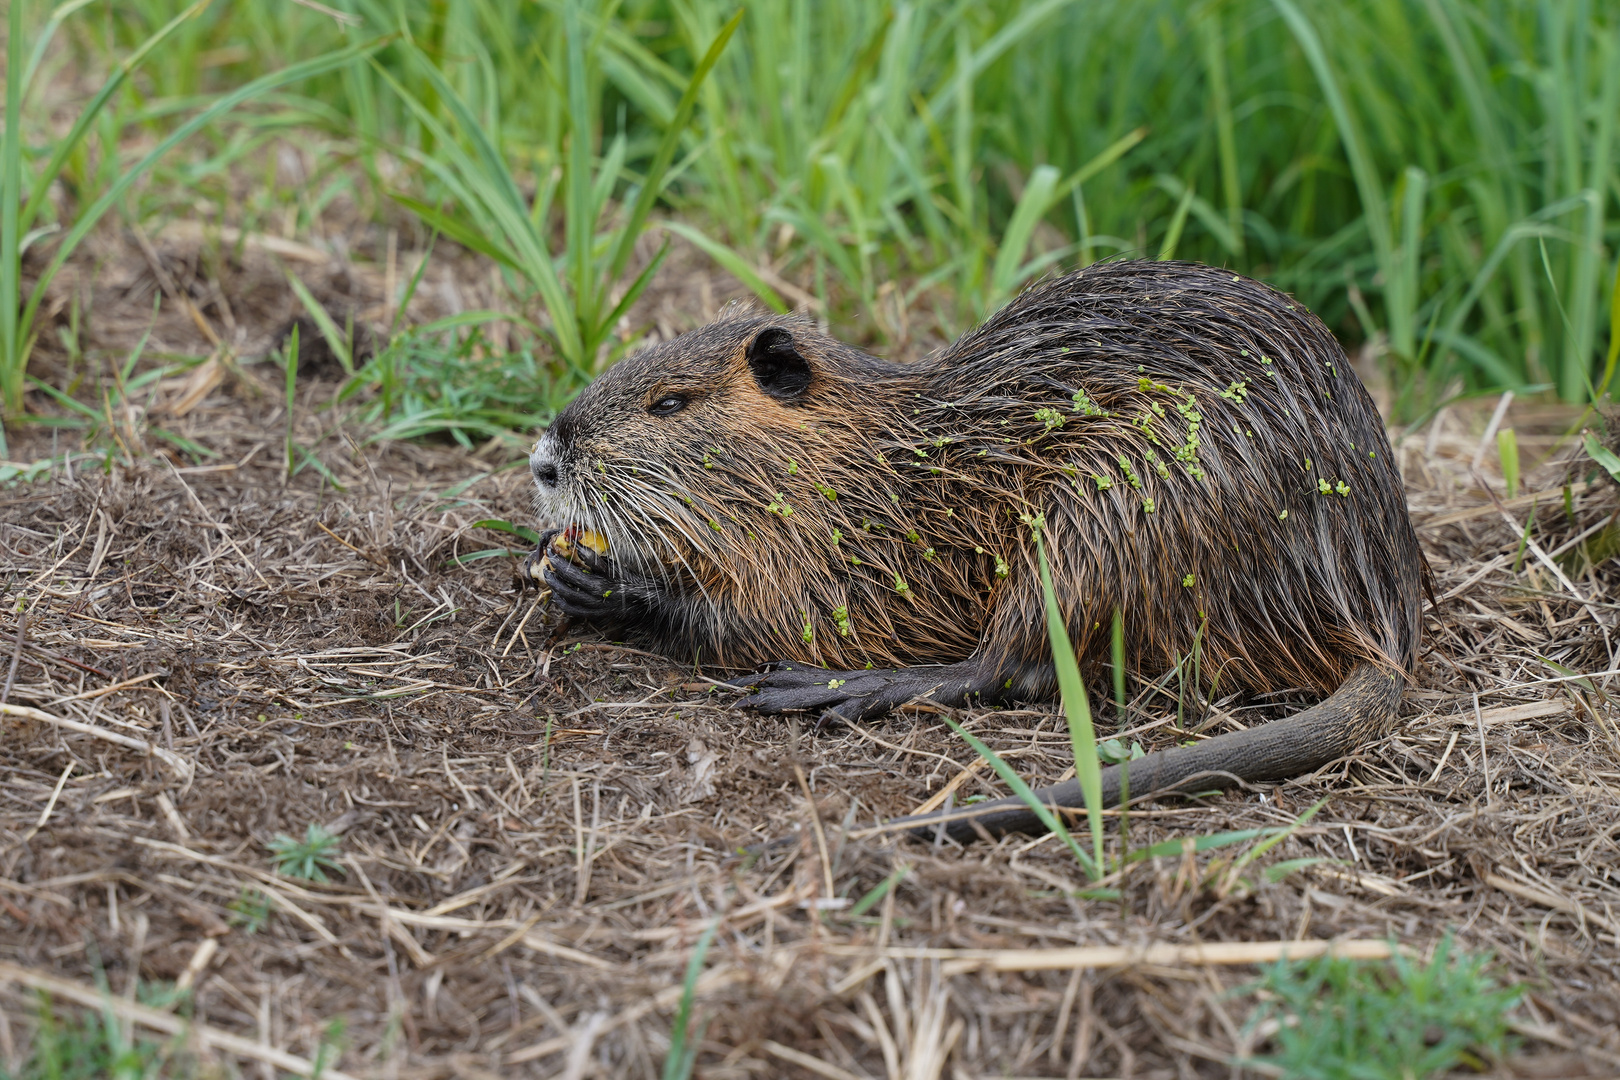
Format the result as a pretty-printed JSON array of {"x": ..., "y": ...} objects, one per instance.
[{"x": 1191, "y": 444}]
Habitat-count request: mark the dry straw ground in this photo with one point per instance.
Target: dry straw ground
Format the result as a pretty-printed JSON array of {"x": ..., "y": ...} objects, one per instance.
[{"x": 535, "y": 832}]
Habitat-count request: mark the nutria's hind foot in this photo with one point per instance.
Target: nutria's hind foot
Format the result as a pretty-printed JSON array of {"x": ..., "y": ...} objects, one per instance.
[{"x": 861, "y": 695}]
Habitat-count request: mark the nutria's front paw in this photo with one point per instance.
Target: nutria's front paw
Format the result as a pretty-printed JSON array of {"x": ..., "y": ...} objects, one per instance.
[
  {"x": 531, "y": 572},
  {"x": 846, "y": 695},
  {"x": 595, "y": 597}
]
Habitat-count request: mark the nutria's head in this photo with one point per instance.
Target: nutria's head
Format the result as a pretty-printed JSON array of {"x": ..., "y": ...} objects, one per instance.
[{"x": 672, "y": 448}]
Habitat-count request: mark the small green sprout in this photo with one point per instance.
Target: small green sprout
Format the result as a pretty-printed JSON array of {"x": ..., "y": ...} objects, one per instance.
[
  {"x": 1342, "y": 488},
  {"x": 307, "y": 859},
  {"x": 1236, "y": 391},
  {"x": 1115, "y": 754},
  {"x": 249, "y": 911},
  {"x": 841, "y": 620},
  {"x": 793, "y": 467},
  {"x": 833, "y": 684},
  {"x": 1187, "y": 582},
  {"x": 1002, "y": 569},
  {"x": 1103, "y": 482},
  {"x": 1148, "y": 505},
  {"x": 838, "y": 536},
  {"x": 1283, "y": 516},
  {"x": 901, "y": 587},
  {"x": 1323, "y": 486},
  {"x": 808, "y": 634}
]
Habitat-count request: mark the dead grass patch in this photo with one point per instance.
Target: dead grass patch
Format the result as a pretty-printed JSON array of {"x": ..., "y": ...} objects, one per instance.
[{"x": 535, "y": 831}]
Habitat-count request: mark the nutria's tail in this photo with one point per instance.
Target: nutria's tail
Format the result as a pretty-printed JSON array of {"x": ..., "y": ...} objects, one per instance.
[{"x": 1361, "y": 709}]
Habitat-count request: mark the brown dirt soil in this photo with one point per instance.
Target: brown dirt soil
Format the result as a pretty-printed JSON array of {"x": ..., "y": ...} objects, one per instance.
[{"x": 536, "y": 827}]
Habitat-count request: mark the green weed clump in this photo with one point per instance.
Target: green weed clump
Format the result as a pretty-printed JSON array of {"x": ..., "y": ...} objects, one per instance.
[
  {"x": 308, "y": 858},
  {"x": 1338, "y": 1019},
  {"x": 446, "y": 378},
  {"x": 30, "y": 218},
  {"x": 92, "y": 1044}
]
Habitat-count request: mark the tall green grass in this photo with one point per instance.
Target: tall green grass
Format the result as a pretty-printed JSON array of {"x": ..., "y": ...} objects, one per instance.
[
  {"x": 26, "y": 207},
  {"x": 1436, "y": 176}
]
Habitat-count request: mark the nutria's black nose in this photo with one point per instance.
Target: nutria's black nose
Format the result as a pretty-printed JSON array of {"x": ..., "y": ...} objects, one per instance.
[{"x": 545, "y": 473}]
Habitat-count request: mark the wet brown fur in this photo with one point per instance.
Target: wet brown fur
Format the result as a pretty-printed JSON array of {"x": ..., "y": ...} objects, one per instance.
[{"x": 1168, "y": 429}]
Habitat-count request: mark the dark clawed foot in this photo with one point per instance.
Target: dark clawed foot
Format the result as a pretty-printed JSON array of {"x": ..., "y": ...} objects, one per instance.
[
  {"x": 593, "y": 596},
  {"x": 792, "y": 675},
  {"x": 845, "y": 696}
]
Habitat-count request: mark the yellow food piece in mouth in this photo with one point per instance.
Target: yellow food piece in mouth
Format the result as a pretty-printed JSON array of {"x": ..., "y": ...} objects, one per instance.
[
  {"x": 572, "y": 537},
  {"x": 575, "y": 544}
]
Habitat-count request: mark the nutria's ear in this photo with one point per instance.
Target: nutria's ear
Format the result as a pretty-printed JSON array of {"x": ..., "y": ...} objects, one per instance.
[{"x": 778, "y": 367}]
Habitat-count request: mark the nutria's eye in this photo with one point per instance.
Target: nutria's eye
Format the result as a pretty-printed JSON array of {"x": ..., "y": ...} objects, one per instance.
[{"x": 669, "y": 403}]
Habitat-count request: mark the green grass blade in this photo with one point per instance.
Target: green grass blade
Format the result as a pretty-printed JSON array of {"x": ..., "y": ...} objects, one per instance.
[
  {"x": 1036, "y": 200},
  {"x": 1276, "y": 837},
  {"x": 878, "y": 892},
  {"x": 1019, "y": 27},
  {"x": 463, "y": 233},
  {"x": 335, "y": 339},
  {"x": 1375, "y": 211},
  {"x": 1507, "y": 452},
  {"x": 1214, "y": 49},
  {"x": 1407, "y": 285},
  {"x": 678, "y": 1063},
  {"x": 1117, "y": 654},
  {"x": 1076, "y": 706},
  {"x": 667, "y": 145},
  {"x": 13, "y": 359},
  {"x": 489, "y": 182},
  {"x": 1614, "y": 334},
  {"x": 522, "y": 532},
  {"x": 1021, "y": 789},
  {"x": 638, "y": 286},
  {"x": 735, "y": 264},
  {"x": 1178, "y": 221},
  {"x": 1602, "y": 455},
  {"x": 579, "y": 224}
]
